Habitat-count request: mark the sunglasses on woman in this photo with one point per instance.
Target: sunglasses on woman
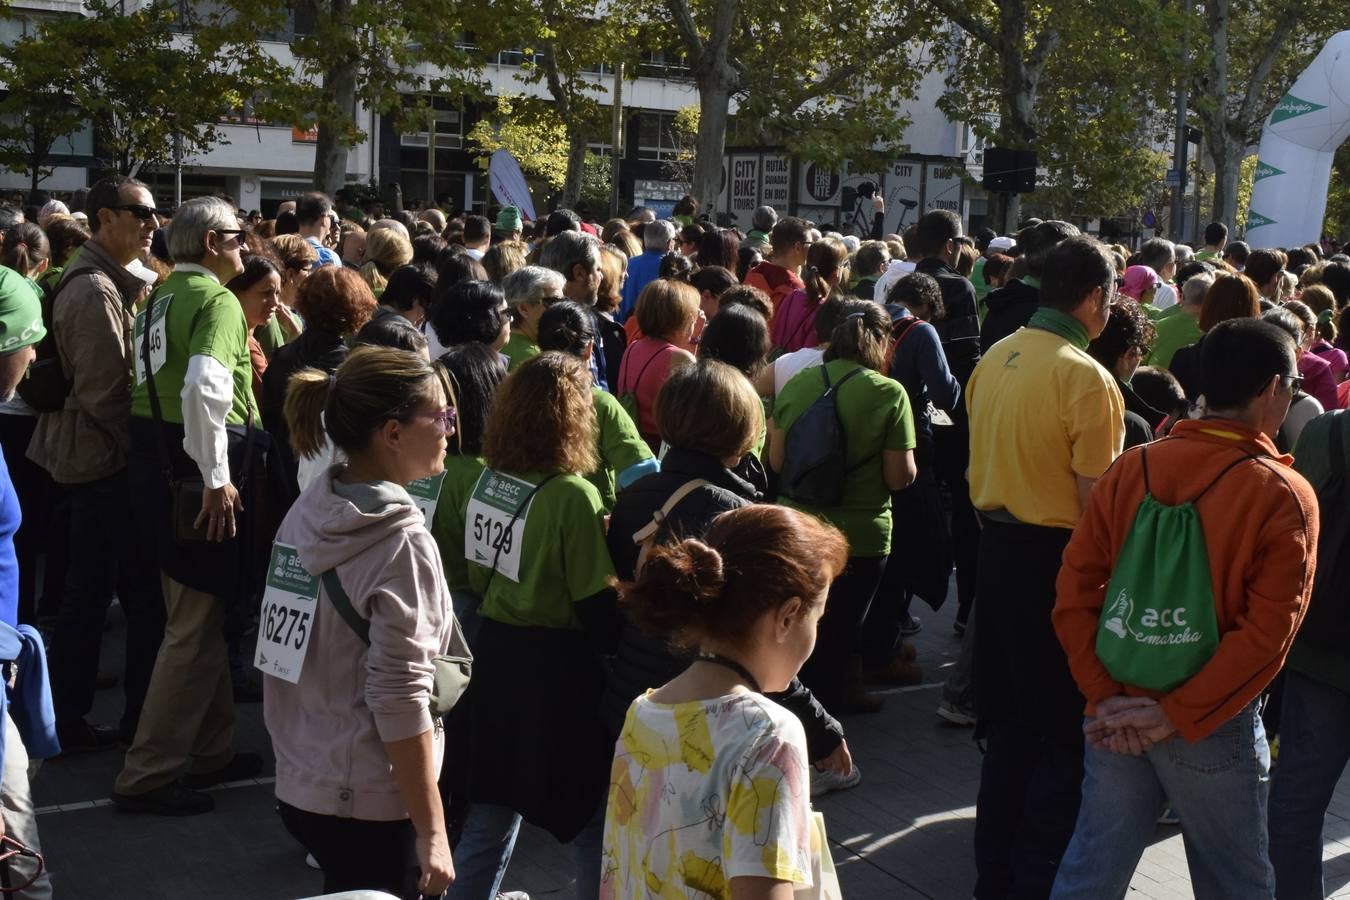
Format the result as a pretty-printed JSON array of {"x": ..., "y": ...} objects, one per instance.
[{"x": 445, "y": 419}]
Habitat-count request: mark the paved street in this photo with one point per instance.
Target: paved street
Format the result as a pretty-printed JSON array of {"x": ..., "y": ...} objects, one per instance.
[{"x": 905, "y": 832}]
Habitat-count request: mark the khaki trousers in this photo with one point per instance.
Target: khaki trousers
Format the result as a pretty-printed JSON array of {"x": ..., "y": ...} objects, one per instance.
[{"x": 187, "y": 723}]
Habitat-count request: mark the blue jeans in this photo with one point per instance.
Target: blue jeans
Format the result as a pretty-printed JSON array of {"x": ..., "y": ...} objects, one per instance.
[
  {"x": 489, "y": 839},
  {"x": 484, "y": 852},
  {"x": 1314, "y": 748},
  {"x": 1218, "y": 788}
]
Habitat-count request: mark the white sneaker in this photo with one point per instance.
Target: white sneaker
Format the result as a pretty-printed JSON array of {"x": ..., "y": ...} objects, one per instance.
[
  {"x": 512, "y": 895},
  {"x": 950, "y": 712},
  {"x": 822, "y": 782}
]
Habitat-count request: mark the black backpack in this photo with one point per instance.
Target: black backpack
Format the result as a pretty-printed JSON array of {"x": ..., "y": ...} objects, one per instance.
[
  {"x": 814, "y": 457},
  {"x": 45, "y": 387}
]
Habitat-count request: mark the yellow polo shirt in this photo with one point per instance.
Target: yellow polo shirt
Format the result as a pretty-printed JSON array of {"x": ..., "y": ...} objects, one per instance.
[{"x": 1041, "y": 413}]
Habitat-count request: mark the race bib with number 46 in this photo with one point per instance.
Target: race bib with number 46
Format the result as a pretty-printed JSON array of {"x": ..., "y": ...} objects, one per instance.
[
  {"x": 157, "y": 313},
  {"x": 287, "y": 616},
  {"x": 489, "y": 534}
]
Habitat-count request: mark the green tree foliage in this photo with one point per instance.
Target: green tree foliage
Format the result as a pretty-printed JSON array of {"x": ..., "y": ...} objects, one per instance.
[
  {"x": 1086, "y": 85},
  {"x": 374, "y": 53},
  {"x": 1248, "y": 53},
  {"x": 564, "y": 44},
  {"x": 1337, "y": 221},
  {"x": 36, "y": 112},
  {"x": 799, "y": 77},
  {"x": 143, "y": 84}
]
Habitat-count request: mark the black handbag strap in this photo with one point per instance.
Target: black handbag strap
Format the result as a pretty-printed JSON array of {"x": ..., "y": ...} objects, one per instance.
[
  {"x": 343, "y": 604},
  {"x": 515, "y": 516},
  {"x": 156, "y": 411}
]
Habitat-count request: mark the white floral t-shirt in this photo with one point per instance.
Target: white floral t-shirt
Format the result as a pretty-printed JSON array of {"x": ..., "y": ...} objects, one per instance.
[{"x": 706, "y": 791}]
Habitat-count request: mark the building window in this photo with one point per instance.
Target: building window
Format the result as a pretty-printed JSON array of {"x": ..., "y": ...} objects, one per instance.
[
  {"x": 664, "y": 64},
  {"x": 449, "y": 126},
  {"x": 656, "y": 136}
]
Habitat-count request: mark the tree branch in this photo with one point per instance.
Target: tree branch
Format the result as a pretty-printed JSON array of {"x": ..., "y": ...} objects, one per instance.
[
  {"x": 1256, "y": 83},
  {"x": 684, "y": 24},
  {"x": 959, "y": 13}
]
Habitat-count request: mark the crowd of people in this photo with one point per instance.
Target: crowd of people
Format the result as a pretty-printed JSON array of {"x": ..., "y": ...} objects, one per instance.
[{"x": 440, "y": 491}]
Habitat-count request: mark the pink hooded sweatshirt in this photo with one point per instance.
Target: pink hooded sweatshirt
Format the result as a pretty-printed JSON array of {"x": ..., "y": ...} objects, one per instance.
[{"x": 329, "y": 730}]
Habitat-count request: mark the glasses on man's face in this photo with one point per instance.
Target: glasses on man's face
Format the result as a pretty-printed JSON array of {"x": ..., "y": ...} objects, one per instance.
[
  {"x": 239, "y": 234},
  {"x": 445, "y": 419},
  {"x": 1294, "y": 382},
  {"x": 139, "y": 210}
]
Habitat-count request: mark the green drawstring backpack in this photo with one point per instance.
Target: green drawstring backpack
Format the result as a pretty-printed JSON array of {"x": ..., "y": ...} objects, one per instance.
[{"x": 1158, "y": 627}]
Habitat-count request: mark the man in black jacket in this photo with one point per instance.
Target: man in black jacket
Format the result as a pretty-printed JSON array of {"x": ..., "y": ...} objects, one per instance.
[
  {"x": 936, "y": 239},
  {"x": 1010, "y": 307}
]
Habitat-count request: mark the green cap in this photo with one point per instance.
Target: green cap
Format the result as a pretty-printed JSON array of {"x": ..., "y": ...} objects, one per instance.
[
  {"x": 508, "y": 219},
  {"x": 20, "y": 312}
]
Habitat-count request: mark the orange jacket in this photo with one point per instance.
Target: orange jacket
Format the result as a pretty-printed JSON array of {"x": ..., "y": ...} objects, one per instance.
[{"x": 1260, "y": 523}]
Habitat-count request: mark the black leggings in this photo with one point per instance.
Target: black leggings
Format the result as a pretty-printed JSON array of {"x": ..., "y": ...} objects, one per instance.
[
  {"x": 356, "y": 854},
  {"x": 826, "y": 672}
]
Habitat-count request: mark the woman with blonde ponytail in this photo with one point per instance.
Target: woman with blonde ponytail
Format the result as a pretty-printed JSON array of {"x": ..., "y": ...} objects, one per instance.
[
  {"x": 357, "y": 744},
  {"x": 745, "y": 598},
  {"x": 794, "y": 320},
  {"x": 386, "y": 250}
]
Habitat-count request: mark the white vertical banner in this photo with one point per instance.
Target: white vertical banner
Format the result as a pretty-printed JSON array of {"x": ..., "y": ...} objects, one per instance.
[
  {"x": 942, "y": 187},
  {"x": 901, "y": 186},
  {"x": 1298, "y": 145}
]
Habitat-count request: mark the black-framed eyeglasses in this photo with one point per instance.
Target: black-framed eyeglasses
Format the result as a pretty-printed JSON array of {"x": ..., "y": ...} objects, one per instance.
[
  {"x": 139, "y": 210},
  {"x": 1295, "y": 382}
]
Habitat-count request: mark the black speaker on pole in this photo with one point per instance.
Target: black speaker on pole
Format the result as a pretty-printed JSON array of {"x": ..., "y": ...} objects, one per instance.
[{"x": 1009, "y": 171}]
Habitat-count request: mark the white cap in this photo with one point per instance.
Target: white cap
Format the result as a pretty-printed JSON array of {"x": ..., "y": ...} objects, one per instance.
[
  {"x": 999, "y": 244},
  {"x": 143, "y": 272}
]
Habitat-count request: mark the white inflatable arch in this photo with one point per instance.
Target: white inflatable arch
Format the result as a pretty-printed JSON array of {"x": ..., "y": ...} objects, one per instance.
[{"x": 1293, "y": 170}]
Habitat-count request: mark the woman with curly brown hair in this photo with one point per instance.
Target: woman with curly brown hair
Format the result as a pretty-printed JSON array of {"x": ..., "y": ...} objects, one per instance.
[
  {"x": 535, "y": 543},
  {"x": 1124, "y": 343},
  {"x": 296, "y": 258},
  {"x": 335, "y": 302}
]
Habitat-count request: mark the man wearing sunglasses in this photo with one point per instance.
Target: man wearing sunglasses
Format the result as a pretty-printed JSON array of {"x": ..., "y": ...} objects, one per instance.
[
  {"x": 192, "y": 417},
  {"x": 84, "y": 446}
]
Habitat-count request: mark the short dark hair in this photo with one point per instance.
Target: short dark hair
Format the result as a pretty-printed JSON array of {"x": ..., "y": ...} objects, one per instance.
[
  {"x": 714, "y": 279},
  {"x": 1160, "y": 389},
  {"x": 1237, "y": 251},
  {"x": 1073, "y": 269},
  {"x": 1239, "y": 357},
  {"x": 427, "y": 247},
  {"x": 475, "y": 370},
  {"x": 936, "y": 228},
  {"x": 476, "y": 229},
  {"x": 566, "y": 326},
  {"x": 983, "y": 236},
  {"x": 1036, "y": 241},
  {"x": 286, "y": 223},
  {"x": 105, "y": 194},
  {"x": 788, "y": 232},
  {"x": 746, "y": 295},
  {"x": 1336, "y": 276},
  {"x": 392, "y": 331},
  {"x": 1262, "y": 265},
  {"x": 1215, "y": 233},
  {"x": 917, "y": 289},
  {"x": 469, "y": 311},
  {"x": 561, "y": 220},
  {"x": 312, "y": 206},
  {"x": 409, "y": 285},
  {"x": 828, "y": 317},
  {"x": 737, "y": 336}
]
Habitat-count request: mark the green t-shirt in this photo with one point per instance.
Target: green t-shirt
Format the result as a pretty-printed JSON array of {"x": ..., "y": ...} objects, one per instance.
[
  {"x": 977, "y": 279},
  {"x": 517, "y": 349},
  {"x": 875, "y": 415},
  {"x": 1174, "y": 332},
  {"x": 562, "y": 557},
  {"x": 461, "y": 473},
  {"x": 620, "y": 445},
  {"x": 271, "y": 336},
  {"x": 203, "y": 319}
]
